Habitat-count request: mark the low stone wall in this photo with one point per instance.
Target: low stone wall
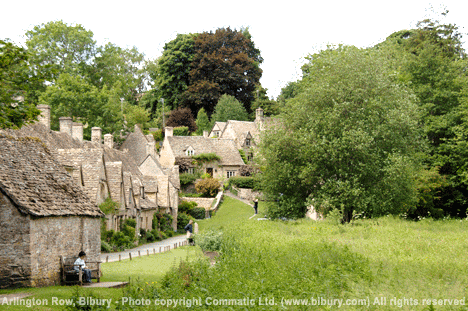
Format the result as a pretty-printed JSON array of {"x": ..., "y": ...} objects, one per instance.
[
  {"x": 202, "y": 202},
  {"x": 248, "y": 194}
]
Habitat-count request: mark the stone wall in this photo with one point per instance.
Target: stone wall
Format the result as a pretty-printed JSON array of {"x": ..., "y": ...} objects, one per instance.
[
  {"x": 247, "y": 194},
  {"x": 206, "y": 203},
  {"x": 15, "y": 254},
  {"x": 52, "y": 237}
]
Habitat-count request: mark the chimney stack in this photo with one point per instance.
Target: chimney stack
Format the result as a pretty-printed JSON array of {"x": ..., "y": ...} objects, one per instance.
[
  {"x": 96, "y": 133},
  {"x": 169, "y": 131},
  {"x": 66, "y": 124},
  {"x": 44, "y": 116},
  {"x": 77, "y": 131},
  {"x": 109, "y": 141}
]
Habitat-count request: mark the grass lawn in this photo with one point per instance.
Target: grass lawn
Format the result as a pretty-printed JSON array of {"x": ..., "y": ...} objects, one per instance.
[{"x": 387, "y": 262}]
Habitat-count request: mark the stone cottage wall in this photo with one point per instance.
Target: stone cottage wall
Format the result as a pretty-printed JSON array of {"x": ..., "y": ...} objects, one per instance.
[
  {"x": 15, "y": 254},
  {"x": 52, "y": 237},
  {"x": 202, "y": 202}
]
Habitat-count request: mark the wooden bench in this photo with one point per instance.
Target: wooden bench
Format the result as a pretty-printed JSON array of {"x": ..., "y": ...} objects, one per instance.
[{"x": 71, "y": 276}]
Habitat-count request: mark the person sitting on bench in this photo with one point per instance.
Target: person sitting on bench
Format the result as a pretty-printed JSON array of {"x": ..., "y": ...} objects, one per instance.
[{"x": 81, "y": 262}]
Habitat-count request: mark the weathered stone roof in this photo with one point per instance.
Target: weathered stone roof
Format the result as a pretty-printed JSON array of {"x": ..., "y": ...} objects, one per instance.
[
  {"x": 224, "y": 148},
  {"x": 136, "y": 145},
  {"x": 241, "y": 128},
  {"x": 37, "y": 183}
]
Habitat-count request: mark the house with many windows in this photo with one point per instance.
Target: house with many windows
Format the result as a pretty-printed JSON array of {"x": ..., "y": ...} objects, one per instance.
[{"x": 180, "y": 150}]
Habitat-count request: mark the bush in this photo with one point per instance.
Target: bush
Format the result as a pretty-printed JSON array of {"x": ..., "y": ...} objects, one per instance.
[
  {"x": 158, "y": 135},
  {"x": 243, "y": 182},
  {"x": 182, "y": 220},
  {"x": 106, "y": 247},
  {"x": 129, "y": 232},
  {"x": 187, "y": 179},
  {"x": 208, "y": 187},
  {"x": 197, "y": 212},
  {"x": 210, "y": 240},
  {"x": 186, "y": 206}
]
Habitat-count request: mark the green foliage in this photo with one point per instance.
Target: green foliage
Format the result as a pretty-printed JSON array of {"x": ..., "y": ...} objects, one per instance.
[
  {"x": 243, "y": 182},
  {"x": 206, "y": 158},
  {"x": 243, "y": 156},
  {"x": 349, "y": 139},
  {"x": 16, "y": 80},
  {"x": 208, "y": 187},
  {"x": 187, "y": 179},
  {"x": 130, "y": 222},
  {"x": 203, "y": 122},
  {"x": 209, "y": 240},
  {"x": 158, "y": 135},
  {"x": 186, "y": 206},
  {"x": 270, "y": 106},
  {"x": 229, "y": 108},
  {"x": 182, "y": 220},
  {"x": 181, "y": 131},
  {"x": 171, "y": 72},
  {"x": 109, "y": 206},
  {"x": 197, "y": 212}
]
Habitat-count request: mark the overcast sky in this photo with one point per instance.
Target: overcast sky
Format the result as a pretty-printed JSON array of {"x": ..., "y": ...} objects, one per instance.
[{"x": 284, "y": 31}]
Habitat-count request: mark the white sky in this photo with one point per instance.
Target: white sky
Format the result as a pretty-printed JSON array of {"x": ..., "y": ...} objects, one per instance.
[{"x": 284, "y": 31}]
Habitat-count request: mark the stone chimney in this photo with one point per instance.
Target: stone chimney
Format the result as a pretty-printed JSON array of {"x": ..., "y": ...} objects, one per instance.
[
  {"x": 109, "y": 141},
  {"x": 206, "y": 134},
  {"x": 77, "y": 131},
  {"x": 66, "y": 124},
  {"x": 96, "y": 133},
  {"x": 169, "y": 131},
  {"x": 259, "y": 118},
  {"x": 151, "y": 148},
  {"x": 44, "y": 117}
]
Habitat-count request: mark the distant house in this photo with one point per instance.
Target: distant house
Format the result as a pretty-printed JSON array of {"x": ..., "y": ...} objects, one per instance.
[
  {"x": 177, "y": 148},
  {"x": 43, "y": 215},
  {"x": 245, "y": 134}
]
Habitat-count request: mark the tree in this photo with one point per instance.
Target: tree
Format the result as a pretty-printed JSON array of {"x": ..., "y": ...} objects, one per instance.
[
  {"x": 182, "y": 117},
  {"x": 432, "y": 62},
  {"x": 203, "y": 122},
  {"x": 270, "y": 107},
  {"x": 225, "y": 62},
  {"x": 16, "y": 107},
  {"x": 72, "y": 96},
  {"x": 171, "y": 71},
  {"x": 229, "y": 108},
  {"x": 65, "y": 48},
  {"x": 348, "y": 140}
]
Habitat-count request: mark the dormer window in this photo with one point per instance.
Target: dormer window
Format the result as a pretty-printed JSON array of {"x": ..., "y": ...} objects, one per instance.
[
  {"x": 247, "y": 142},
  {"x": 189, "y": 152}
]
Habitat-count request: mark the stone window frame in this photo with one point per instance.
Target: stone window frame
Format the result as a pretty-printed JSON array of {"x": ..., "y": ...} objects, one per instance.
[{"x": 230, "y": 174}]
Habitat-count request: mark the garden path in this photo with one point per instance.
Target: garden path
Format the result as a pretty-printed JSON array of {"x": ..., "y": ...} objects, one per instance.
[{"x": 156, "y": 247}]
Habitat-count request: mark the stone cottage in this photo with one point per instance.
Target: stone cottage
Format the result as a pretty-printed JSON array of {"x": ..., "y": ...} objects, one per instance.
[
  {"x": 43, "y": 215},
  {"x": 179, "y": 148},
  {"x": 102, "y": 171}
]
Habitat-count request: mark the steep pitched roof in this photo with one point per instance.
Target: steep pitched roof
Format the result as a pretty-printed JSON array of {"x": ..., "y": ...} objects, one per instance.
[
  {"x": 136, "y": 145},
  {"x": 240, "y": 129},
  {"x": 224, "y": 148},
  {"x": 37, "y": 184}
]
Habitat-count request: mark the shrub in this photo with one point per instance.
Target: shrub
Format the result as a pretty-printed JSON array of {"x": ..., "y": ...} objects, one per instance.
[
  {"x": 106, "y": 247},
  {"x": 187, "y": 179},
  {"x": 186, "y": 206},
  {"x": 242, "y": 182},
  {"x": 158, "y": 135},
  {"x": 129, "y": 232},
  {"x": 109, "y": 206},
  {"x": 210, "y": 240},
  {"x": 182, "y": 220},
  {"x": 209, "y": 186},
  {"x": 197, "y": 212},
  {"x": 130, "y": 222}
]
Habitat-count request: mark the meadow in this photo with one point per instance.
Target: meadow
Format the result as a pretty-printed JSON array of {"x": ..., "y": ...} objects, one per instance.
[{"x": 377, "y": 264}]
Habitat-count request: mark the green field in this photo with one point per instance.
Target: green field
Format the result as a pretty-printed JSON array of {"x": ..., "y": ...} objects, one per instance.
[{"x": 376, "y": 264}]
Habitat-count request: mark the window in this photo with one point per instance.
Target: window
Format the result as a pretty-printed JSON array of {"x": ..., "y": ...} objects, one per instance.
[
  {"x": 249, "y": 156},
  {"x": 189, "y": 152},
  {"x": 231, "y": 173},
  {"x": 247, "y": 142},
  {"x": 190, "y": 170}
]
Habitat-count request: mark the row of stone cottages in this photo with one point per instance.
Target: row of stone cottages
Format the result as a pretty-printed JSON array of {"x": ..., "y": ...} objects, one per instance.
[{"x": 51, "y": 184}]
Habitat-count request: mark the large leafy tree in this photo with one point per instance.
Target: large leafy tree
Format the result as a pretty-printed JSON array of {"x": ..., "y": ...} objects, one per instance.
[
  {"x": 171, "y": 71},
  {"x": 75, "y": 97},
  {"x": 347, "y": 140},
  {"x": 225, "y": 62},
  {"x": 65, "y": 48},
  {"x": 229, "y": 108},
  {"x": 16, "y": 81},
  {"x": 432, "y": 61}
]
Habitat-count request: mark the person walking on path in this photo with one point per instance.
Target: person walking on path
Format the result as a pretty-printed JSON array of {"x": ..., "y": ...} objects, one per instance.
[
  {"x": 189, "y": 229},
  {"x": 255, "y": 206}
]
